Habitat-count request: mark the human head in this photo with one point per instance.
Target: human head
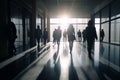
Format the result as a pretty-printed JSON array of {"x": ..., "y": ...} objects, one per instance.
[
  {"x": 90, "y": 23},
  {"x": 70, "y": 26}
]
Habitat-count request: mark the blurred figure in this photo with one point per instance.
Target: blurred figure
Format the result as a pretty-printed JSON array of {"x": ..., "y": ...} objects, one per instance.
[
  {"x": 11, "y": 39},
  {"x": 71, "y": 36},
  {"x": 38, "y": 34},
  {"x": 65, "y": 47},
  {"x": 54, "y": 37},
  {"x": 91, "y": 35},
  {"x": 58, "y": 35},
  {"x": 102, "y": 34},
  {"x": 79, "y": 35},
  {"x": 84, "y": 35},
  {"x": 64, "y": 35},
  {"x": 45, "y": 36}
]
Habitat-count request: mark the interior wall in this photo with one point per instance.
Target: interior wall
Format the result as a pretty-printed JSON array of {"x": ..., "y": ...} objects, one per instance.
[{"x": 3, "y": 28}]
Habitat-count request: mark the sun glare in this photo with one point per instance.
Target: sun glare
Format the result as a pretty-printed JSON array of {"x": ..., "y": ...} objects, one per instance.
[{"x": 64, "y": 22}]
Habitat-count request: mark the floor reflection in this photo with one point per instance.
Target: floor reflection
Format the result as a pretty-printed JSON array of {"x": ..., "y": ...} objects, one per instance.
[
  {"x": 60, "y": 67},
  {"x": 72, "y": 71},
  {"x": 78, "y": 66},
  {"x": 51, "y": 71}
]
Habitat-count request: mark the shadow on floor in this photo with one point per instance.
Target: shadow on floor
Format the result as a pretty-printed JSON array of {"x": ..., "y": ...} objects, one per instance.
[
  {"x": 72, "y": 72},
  {"x": 52, "y": 71}
]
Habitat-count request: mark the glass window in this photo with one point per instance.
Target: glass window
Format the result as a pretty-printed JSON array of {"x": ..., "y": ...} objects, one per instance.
[
  {"x": 115, "y": 31},
  {"x": 19, "y": 28},
  {"x": 105, "y": 14},
  {"x": 105, "y": 27},
  {"x": 115, "y": 9},
  {"x": 97, "y": 24},
  {"x": 54, "y": 20},
  {"x": 112, "y": 31},
  {"x": 27, "y": 33},
  {"x": 38, "y": 22},
  {"x": 16, "y": 18},
  {"x": 78, "y": 23},
  {"x": 114, "y": 57}
]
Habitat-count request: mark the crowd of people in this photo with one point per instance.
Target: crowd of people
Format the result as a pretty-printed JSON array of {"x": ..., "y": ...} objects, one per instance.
[
  {"x": 87, "y": 35},
  {"x": 39, "y": 35},
  {"x": 12, "y": 36}
]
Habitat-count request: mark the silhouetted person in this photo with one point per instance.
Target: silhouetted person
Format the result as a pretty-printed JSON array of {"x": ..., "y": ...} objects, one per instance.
[
  {"x": 12, "y": 37},
  {"x": 65, "y": 35},
  {"x": 90, "y": 36},
  {"x": 58, "y": 35},
  {"x": 54, "y": 37},
  {"x": 102, "y": 34},
  {"x": 84, "y": 35},
  {"x": 38, "y": 34},
  {"x": 71, "y": 36},
  {"x": 79, "y": 35},
  {"x": 45, "y": 36}
]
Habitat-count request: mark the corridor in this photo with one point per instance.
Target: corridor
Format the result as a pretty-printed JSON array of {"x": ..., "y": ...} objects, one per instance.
[{"x": 26, "y": 39}]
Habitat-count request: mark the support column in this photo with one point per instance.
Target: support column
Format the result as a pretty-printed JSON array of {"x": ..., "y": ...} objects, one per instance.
[
  {"x": 48, "y": 27},
  {"x": 3, "y": 28},
  {"x": 33, "y": 25}
]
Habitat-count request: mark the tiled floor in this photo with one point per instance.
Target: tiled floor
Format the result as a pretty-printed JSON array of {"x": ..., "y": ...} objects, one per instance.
[{"x": 61, "y": 65}]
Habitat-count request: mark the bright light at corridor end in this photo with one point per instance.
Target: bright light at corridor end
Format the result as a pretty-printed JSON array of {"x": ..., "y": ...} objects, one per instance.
[
  {"x": 64, "y": 19},
  {"x": 64, "y": 22}
]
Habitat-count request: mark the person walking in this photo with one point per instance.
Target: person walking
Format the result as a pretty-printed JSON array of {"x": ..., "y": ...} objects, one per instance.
[
  {"x": 58, "y": 35},
  {"x": 11, "y": 39},
  {"x": 38, "y": 34},
  {"x": 84, "y": 35},
  {"x": 65, "y": 36},
  {"x": 79, "y": 35},
  {"x": 45, "y": 36},
  {"x": 102, "y": 35},
  {"x": 91, "y": 35},
  {"x": 54, "y": 37},
  {"x": 71, "y": 36}
]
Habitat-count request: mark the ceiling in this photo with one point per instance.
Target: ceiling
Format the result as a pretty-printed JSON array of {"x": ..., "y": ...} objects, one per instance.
[{"x": 71, "y": 8}]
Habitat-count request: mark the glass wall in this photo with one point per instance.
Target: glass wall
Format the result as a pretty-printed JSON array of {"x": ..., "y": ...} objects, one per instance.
[
  {"x": 110, "y": 22},
  {"x": 21, "y": 18},
  {"x": 78, "y": 23},
  {"x": 38, "y": 22},
  {"x": 105, "y": 27},
  {"x": 16, "y": 18},
  {"x": 115, "y": 22},
  {"x": 115, "y": 9},
  {"x": 97, "y": 24},
  {"x": 115, "y": 31},
  {"x": 105, "y": 14},
  {"x": 19, "y": 39},
  {"x": 110, "y": 48},
  {"x": 27, "y": 33},
  {"x": 118, "y": 31}
]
